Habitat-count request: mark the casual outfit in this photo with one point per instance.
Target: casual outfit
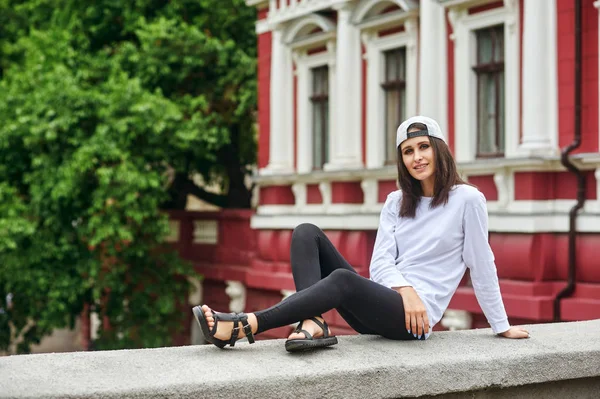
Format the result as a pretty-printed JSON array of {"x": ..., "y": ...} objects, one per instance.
[{"x": 429, "y": 252}]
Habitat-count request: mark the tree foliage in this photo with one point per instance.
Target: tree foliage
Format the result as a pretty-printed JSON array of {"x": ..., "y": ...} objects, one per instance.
[{"x": 108, "y": 109}]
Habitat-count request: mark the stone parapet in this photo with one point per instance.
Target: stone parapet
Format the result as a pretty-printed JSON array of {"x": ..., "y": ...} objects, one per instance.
[{"x": 559, "y": 360}]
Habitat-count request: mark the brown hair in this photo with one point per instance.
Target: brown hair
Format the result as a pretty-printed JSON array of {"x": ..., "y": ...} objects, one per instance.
[{"x": 446, "y": 176}]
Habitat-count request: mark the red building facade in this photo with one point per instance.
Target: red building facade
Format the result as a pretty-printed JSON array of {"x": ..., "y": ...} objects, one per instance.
[{"x": 335, "y": 79}]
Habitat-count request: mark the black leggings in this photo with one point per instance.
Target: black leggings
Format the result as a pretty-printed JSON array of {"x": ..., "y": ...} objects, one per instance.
[{"x": 325, "y": 280}]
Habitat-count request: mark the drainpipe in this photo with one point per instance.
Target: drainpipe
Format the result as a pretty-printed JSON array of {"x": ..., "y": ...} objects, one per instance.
[{"x": 570, "y": 288}]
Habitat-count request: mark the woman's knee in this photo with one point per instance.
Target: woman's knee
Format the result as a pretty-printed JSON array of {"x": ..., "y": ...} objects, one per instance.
[
  {"x": 305, "y": 230},
  {"x": 343, "y": 276}
]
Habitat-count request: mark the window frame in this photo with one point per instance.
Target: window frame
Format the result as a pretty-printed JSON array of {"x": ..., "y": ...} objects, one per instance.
[
  {"x": 304, "y": 62},
  {"x": 496, "y": 68},
  {"x": 464, "y": 39},
  {"x": 375, "y": 46},
  {"x": 398, "y": 85}
]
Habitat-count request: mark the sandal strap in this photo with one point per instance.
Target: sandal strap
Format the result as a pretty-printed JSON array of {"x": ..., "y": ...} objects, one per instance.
[
  {"x": 240, "y": 321},
  {"x": 247, "y": 328},
  {"x": 323, "y": 326},
  {"x": 299, "y": 330},
  {"x": 306, "y": 333},
  {"x": 234, "y": 332},
  {"x": 299, "y": 327}
]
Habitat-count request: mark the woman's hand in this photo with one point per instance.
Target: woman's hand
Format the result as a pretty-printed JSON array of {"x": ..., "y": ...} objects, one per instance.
[
  {"x": 414, "y": 311},
  {"x": 515, "y": 333}
]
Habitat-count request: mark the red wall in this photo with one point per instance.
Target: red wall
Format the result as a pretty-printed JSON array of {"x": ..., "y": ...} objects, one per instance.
[
  {"x": 264, "y": 101},
  {"x": 552, "y": 185},
  {"x": 276, "y": 195},
  {"x": 566, "y": 74},
  {"x": 486, "y": 185}
]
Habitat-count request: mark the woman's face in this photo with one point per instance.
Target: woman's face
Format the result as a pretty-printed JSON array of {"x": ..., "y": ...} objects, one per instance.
[{"x": 418, "y": 157}]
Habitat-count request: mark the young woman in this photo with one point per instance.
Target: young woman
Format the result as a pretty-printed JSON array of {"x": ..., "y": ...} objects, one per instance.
[{"x": 430, "y": 231}]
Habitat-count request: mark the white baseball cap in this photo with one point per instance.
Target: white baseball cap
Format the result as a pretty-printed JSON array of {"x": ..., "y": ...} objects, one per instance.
[{"x": 432, "y": 130}]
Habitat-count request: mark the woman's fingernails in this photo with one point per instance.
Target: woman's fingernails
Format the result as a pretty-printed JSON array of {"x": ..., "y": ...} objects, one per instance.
[
  {"x": 409, "y": 330},
  {"x": 415, "y": 335},
  {"x": 426, "y": 335}
]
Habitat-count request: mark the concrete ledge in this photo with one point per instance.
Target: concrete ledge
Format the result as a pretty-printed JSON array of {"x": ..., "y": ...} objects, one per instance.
[{"x": 559, "y": 360}]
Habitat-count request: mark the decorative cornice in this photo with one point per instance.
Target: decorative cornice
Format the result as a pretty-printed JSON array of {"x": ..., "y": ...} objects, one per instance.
[
  {"x": 478, "y": 167},
  {"x": 464, "y": 3}
]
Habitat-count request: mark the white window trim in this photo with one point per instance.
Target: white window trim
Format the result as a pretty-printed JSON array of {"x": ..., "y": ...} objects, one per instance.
[
  {"x": 465, "y": 80},
  {"x": 304, "y": 64},
  {"x": 375, "y": 47}
]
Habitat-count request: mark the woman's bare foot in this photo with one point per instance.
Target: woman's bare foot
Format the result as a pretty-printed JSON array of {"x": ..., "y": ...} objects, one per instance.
[
  {"x": 311, "y": 327},
  {"x": 224, "y": 328}
]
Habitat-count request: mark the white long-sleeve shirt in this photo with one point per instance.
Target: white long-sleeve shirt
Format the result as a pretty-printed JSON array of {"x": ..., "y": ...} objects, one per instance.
[{"x": 431, "y": 252}]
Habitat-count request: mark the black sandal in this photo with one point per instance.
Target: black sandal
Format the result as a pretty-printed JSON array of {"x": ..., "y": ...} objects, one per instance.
[
  {"x": 236, "y": 318},
  {"x": 297, "y": 345}
]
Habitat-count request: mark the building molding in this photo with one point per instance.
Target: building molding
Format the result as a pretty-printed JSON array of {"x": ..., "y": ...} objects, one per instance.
[
  {"x": 367, "y": 9},
  {"x": 499, "y": 221},
  {"x": 302, "y": 27},
  {"x": 584, "y": 162},
  {"x": 465, "y": 82}
]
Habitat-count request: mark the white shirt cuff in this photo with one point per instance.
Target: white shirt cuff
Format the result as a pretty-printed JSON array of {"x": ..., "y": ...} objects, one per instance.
[{"x": 500, "y": 327}]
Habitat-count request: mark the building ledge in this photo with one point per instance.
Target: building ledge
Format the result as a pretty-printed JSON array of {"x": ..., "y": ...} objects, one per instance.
[{"x": 557, "y": 357}]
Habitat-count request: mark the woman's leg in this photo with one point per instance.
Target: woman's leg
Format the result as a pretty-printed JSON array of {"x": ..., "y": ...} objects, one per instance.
[
  {"x": 372, "y": 305},
  {"x": 313, "y": 257}
]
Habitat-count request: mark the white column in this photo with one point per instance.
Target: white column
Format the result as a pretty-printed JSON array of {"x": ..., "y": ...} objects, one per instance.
[
  {"x": 433, "y": 80},
  {"x": 345, "y": 139},
  {"x": 281, "y": 131},
  {"x": 540, "y": 110},
  {"x": 411, "y": 25}
]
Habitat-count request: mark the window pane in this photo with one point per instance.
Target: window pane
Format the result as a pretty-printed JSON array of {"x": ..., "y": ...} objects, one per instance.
[
  {"x": 317, "y": 136},
  {"x": 402, "y": 63},
  {"x": 320, "y": 81},
  {"x": 391, "y": 66},
  {"x": 484, "y": 47},
  {"x": 320, "y": 116},
  {"x": 490, "y": 90},
  {"x": 395, "y": 93},
  {"x": 487, "y": 117},
  {"x": 499, "y": 44}
]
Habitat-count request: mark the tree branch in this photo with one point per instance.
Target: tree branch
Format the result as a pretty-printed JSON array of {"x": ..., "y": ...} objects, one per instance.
[{"x": 212, "y": 198}]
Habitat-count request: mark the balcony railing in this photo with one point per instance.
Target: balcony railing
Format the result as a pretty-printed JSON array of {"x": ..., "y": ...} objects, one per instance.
[{"x": 284, "y": 10}]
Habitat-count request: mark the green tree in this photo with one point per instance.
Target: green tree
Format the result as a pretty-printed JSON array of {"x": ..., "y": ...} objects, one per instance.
[{"x": 107, "y": 112}]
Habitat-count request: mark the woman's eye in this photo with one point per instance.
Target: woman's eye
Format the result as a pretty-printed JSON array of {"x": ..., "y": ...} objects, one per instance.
[
  {"x": 424, "y": 146},
  {"x": 407, "y": 152}
]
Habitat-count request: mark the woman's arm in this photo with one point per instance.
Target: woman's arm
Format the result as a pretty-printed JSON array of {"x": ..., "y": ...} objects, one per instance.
[
  {"x": 478, "y": 256},
  {"x": 383, "y": 261}
]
